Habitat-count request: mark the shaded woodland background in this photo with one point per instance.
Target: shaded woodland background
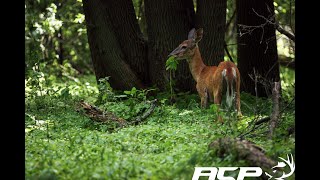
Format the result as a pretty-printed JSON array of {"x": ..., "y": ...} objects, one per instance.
[
  {"x": 130, "y": 40},
  {"x": 98, "y": 99}
]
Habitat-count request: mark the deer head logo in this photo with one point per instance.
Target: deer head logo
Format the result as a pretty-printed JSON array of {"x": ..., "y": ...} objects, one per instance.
[{"x": 289, "y": 162}]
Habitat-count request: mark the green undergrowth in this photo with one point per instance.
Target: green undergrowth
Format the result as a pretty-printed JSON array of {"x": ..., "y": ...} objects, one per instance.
[{"x": 62, "y": 143}]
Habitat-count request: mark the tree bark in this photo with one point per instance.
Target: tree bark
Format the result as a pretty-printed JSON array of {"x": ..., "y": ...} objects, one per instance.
[
  {"x": 275, "y": 109},
  {"x": 119, "y": 50},
  {"x": 108, "y": 52},
  {"x": 168, "y": 22},
  {"x": 211, "y": 16},
  {"x": 257, "y": 48},
  {"x": 128, "y": 33}
]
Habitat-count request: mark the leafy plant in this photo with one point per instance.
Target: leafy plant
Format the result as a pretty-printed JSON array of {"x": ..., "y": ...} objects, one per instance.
[
  {"x": 63, "y": 144},
  {"x": 105, "y": 91},
  {"x": 171, "y": 65}
]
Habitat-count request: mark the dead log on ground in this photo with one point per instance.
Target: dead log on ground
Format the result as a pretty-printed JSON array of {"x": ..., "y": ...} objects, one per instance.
[
  {"x": 98, "y": 115},
  {"x": 245, "y": 150}
]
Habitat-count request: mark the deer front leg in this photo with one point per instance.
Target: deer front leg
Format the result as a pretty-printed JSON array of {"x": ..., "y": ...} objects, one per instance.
[
  {"x": 203, "y": 93},
  {"x": 204, "y": 99},
  {"x": 210, "y": 97}
]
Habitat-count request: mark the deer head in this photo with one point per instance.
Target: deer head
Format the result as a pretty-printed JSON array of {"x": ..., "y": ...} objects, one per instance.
[{"x": 187, "y": 48}]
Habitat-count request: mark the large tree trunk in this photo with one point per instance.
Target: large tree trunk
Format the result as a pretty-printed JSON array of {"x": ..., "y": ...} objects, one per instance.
[
  {"x": 129, "y": 35},
  {"x": 257, "y": 49},
  {"x": 119, "y": 50},
  {"x": 211, "y": 16},
  {"x": 112, "y": 54},
  {"x": 168, "y": 22}
]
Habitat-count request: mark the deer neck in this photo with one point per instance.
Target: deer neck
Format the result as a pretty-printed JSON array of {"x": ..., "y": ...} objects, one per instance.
[{"x": 196, "y": 64}]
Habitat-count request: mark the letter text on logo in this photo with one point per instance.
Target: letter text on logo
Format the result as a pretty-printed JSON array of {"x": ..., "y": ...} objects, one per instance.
[{"x": 199, "y": 172}]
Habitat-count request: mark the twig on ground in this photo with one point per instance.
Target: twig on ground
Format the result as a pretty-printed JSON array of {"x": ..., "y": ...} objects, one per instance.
[{"x": 147, "y": 113}]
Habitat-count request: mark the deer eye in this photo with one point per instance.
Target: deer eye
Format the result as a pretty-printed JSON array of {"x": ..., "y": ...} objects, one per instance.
[{"x": 184, "y": 47}]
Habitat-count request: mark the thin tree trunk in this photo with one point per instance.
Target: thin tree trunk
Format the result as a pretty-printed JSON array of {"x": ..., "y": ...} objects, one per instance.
[
  {"x": 211, "y": 16},
  {"x": 257, "y": 48},
  {"x": 107, "y": 56},
  {"x": 275, "y": 110},
  {"x": 168, "y": 22}
]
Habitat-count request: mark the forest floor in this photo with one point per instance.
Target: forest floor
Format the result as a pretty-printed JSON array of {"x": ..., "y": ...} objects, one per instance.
[{"x": 61, "y": 142}]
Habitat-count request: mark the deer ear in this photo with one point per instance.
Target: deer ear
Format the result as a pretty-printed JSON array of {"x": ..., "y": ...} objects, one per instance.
[
  {"x": 198, "y": 35},
  {"x": 191, "y": 34}
]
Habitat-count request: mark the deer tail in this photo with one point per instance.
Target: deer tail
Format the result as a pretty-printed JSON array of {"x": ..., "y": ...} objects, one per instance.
[{"x": 229, "y": 76}]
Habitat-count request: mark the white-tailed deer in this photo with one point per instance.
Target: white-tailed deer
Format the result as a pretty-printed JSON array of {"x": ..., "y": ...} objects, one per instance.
[{"x": 212, "y": 81}]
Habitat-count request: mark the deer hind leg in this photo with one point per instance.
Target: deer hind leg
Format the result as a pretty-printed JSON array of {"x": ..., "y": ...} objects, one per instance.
[
  {"x": 238, "y": 103},
  {"x": 217, "y": 100},
  {"x": 239, "y": 114}
]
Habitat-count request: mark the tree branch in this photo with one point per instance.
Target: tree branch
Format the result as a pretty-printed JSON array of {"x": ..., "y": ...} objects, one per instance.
[
  {"x": 262, "y": 120},
  {"x": 230, "y": 20},
  {"x": 284, "y": 32},
  {"x": 277, "y": 27},
  {"x": 228, "y": 53}
]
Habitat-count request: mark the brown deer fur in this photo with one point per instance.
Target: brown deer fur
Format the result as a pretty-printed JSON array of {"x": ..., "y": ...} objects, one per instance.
[{"x": 211, "y": 80}]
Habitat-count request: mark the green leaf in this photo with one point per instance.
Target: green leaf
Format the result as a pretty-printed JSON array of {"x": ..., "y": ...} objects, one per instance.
[
  {"x": 127, "y": 92},
  {"x": 171, "y": 63}
]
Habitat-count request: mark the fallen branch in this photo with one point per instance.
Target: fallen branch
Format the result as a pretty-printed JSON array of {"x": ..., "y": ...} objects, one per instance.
[
  {"x": 147, "y": 113},
  {"x": 258, "y": 123},
  {"x": 255, "y": 127},
  {"x": 262, "y": 120},
  {"x": 98, "y": 115}
]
